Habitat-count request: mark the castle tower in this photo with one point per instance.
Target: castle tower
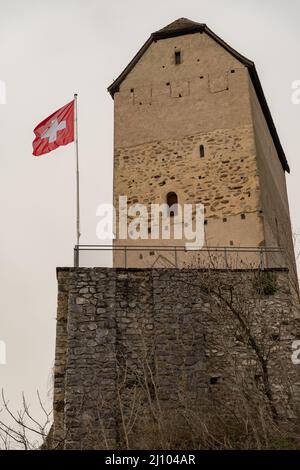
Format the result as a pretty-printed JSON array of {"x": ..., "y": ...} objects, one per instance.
[{"x": 192, "y": 125}]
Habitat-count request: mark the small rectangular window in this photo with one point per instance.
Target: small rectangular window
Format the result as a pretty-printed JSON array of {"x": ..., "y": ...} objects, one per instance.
[
  {"x": 201, "y": 151},
  {"x": 177, "y": 57}
]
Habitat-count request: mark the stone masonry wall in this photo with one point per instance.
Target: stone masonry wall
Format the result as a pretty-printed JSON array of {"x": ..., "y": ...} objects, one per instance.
[
  {"x": 225, "y": 181},
  {"x": 157, "y": 332}
]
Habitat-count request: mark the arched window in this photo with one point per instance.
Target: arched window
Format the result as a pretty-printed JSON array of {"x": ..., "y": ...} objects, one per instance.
[
  {"x": 172, "y": 201},
  {"x": 201, "y": 151}
]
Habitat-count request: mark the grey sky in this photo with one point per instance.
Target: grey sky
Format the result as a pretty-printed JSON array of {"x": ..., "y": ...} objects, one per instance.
[{"x": 48, "y": 50}]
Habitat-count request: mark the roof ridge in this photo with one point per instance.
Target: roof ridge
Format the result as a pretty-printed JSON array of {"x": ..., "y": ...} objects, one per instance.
[{"x": 180, "y": 23}]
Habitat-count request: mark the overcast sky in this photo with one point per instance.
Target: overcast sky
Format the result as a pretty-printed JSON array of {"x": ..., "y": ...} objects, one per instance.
[{"x": 50, "y": 49}]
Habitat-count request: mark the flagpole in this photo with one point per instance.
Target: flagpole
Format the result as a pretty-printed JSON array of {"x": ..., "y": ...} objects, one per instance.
[{"x": 77, "y": 174}]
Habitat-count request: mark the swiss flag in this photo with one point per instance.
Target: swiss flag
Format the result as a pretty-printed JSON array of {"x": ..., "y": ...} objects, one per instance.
[{"x": 55, "y": 130}]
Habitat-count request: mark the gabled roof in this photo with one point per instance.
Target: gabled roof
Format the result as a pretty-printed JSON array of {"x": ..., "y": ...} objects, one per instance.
[{"x": 184, "y": 26}]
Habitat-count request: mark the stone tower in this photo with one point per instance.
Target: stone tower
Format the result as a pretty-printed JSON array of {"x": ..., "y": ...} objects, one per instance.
[
  {"x": 191, "y": 121},
  {"x": 191, "y": 118}
]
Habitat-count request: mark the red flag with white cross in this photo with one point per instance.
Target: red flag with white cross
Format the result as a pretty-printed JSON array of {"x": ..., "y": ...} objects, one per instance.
[{"x": 55, "y": 130}]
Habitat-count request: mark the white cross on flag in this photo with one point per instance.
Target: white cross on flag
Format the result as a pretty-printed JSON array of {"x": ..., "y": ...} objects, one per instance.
[{"x": 55, "y": 130}]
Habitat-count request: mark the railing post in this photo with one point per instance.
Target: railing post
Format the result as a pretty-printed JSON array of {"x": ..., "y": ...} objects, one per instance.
[
  {"x": 225, "y": 257},
  {"x": 125, "y": 254},
  {"x": 76, "y": 256},
  {"x": 261, "y": 263}
]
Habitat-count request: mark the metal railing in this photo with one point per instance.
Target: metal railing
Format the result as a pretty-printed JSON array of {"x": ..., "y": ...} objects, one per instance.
[{"x": 219, "y": 257}]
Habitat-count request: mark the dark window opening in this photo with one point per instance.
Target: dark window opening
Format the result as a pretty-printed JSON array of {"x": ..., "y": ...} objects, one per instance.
[
  {"x": 172, "y": 201},
  {"x": 132, "y": 90},
  {"x": 205, "y": 222},
  {"x": 201, "y": 150},
  {"x": 177, "y": 57},
  {"x": 224, "y": 220},
  {"x": 243, "y": 216},
  {"x": 214, "y": 380},
  {"x": 232, "y": 71}
]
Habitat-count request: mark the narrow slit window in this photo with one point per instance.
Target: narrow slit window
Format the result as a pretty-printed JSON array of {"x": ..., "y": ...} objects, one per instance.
[
  {"x": 201, "y": 151},
  {"x": 177, "y": 57},
  {"x": 172, "y": 201}
]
